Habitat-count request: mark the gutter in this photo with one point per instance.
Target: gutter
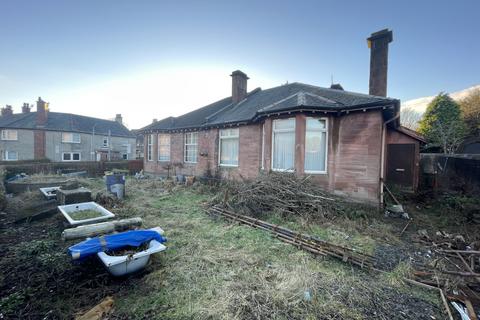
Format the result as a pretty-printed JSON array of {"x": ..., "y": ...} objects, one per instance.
[{"x": 382, "y": 155}]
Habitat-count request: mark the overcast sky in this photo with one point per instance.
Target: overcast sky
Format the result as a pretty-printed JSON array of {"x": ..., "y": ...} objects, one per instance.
[{"x": 153, "y": 59}]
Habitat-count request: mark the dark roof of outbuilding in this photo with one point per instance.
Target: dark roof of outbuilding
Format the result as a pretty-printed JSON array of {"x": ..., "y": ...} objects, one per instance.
[
  {"x": 288, "y": 97},
  {"x": 57, "y": 121}
]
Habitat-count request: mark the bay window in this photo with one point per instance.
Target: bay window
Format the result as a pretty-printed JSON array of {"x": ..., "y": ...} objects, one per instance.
[
  {"x": 283, "y": 151},
  {"x": 228, "y": 155},
  {"x": 163, "y": 147},
  {"x": 316, "y": 145},
  {"x": 191, "y": 145},
  {"x": 149, "y": 147}
]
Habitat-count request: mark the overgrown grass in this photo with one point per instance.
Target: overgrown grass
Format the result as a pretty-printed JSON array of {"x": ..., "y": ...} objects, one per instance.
[
  {"x": 212, "y": 269},
  {"x": 217, "y": 270}
]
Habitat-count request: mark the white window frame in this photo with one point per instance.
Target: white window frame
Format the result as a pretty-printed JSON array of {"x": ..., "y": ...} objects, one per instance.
[
  {"x": 5, "y": 134},
  {"x": 73, "y": 134},
  {"x": 6, "y": 154},
  {"x": 229, "y": 137},
  {"x": 150, "y": 147},
  {"x": 185, "y": 144},
  {"x": 273, "y": 142},
  {"x": 326, "y": 145},
  {"x": 169, "y": 147},
  {"x": 71, "y": 156}
]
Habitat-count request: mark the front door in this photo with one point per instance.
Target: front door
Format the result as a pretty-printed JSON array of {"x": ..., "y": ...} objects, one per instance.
[{"x": 401, "y": 164}]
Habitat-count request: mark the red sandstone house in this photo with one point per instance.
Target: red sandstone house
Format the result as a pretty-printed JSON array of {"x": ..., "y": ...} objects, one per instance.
[{"x": 348, "y": 142}]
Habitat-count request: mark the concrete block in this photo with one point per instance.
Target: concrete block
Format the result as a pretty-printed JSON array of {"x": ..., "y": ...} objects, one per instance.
[{"x": 73, "y": 196}]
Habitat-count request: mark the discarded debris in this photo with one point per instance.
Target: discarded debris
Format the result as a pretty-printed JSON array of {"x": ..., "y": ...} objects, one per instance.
[
  {"x": 100, "y": 228},
  {"x": 286, "y": 194},
  {"x": 99, "y": 311}
]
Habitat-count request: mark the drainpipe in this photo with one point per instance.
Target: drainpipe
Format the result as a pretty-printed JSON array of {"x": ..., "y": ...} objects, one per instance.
[{"x": 382, "y": 155}]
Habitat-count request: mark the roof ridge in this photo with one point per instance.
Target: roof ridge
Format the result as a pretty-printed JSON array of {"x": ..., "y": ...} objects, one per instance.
[
  {"x": 278, "y": 102},
  {"x": 254, "y": 91},
  {"x": 343, "y": 91}
]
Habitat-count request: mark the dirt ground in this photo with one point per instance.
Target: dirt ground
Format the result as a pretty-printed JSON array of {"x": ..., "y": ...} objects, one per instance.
[{"x": 215, "y": 269}]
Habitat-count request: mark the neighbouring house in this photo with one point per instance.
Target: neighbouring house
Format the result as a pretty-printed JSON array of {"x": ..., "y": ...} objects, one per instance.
[
  {"x": 62, "y": 136},
  {"x": 347, "y": 142},
  {"x": 139, "y": 147}
]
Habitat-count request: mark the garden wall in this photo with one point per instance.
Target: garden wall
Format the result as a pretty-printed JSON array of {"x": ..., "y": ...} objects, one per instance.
[{"x": 92, "y": 168}]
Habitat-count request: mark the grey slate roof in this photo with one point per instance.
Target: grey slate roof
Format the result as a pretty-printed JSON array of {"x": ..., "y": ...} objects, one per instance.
[
  {"x": 289, "y": 97},
  {"x": 57, "y": 121}
]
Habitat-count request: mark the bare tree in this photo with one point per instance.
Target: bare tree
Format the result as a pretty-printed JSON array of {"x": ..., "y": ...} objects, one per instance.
[{"x": 409, "y": 118}]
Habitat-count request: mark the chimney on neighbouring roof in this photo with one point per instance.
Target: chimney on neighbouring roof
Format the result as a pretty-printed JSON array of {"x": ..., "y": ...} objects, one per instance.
[
  {"x": 119, "y": 118},
  {"x": 26, "y": 108},
  {"x": 336, "y": 86},
  {"x": 154, "y": 120},
  {"x": 378, "y": 44},
  {"x": 7, "y": 111},
  {"x": 42, "y": 112},
  {"x": 239, "y": 86}
]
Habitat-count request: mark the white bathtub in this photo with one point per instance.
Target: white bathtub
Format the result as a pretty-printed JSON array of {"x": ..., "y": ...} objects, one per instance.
[
  {"x": 123, "y": 265},
  {"x": 45, "y": 192},
  {"x": 66, "y": 210}
]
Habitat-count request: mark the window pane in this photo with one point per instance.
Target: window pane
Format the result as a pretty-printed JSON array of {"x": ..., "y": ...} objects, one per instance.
[
  {"x": 66, "y": 156},
  {"x": 164, "y": 147},
  {"x": 313, "y": 124},
  {"x": 284, "y": 124},
  {"x": 11, "y": 155},
  {"x": 229, "y": 151},
  {"x": 284, "y": 150},
  {"x": 315, "y": 149},
  {"x": 229, "y": 132},
  {"x": 76, "y": 156}
]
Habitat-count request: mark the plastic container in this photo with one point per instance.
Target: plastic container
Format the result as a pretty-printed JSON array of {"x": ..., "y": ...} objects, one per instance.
[
  {"x": 66, "y": 210},
  {"x": 123, "y": 265},
  {"x": 113, "y": 179},
  {"x": 49, "y": 192}
]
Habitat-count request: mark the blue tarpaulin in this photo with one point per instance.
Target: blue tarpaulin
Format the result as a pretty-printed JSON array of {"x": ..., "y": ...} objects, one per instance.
[{"x": 133, "y": 238}]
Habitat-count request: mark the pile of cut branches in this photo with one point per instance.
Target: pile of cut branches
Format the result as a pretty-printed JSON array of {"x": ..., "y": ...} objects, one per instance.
[{"x": 286, "y": 194}]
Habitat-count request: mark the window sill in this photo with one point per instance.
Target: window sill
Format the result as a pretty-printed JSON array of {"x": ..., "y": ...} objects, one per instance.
[
  {"x": 316, "y": 172},
  {"x": 71, "y": 160},
  {"x": 9, "y": 139},
  {"x": 190, "y": 162},
  {"x": 71, "y": 142},
  {"x": 163, "y": 160},
  {"x": 228, "y": 165},
  {"x": 283, "y": 170}
]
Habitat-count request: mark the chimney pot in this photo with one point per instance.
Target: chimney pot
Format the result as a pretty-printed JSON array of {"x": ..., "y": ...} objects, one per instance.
[
  {"x": 118, "y": 118},
  {"x": 154, "y": 120},
  {"x": 239, "y": 86},
  {"x": 378, "y": 44},
  {"x": 7, "y": 111},
  {"x": 26, "y": 108}
]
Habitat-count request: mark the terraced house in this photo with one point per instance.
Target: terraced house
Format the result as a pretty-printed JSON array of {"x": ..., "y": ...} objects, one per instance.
[
  {"x": 348, "y": 142},
  {"x": 62, "y": 136}
]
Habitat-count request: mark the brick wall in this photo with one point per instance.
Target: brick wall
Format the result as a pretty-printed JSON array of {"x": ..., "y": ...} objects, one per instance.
[
  {"x": 39, "y": 144},
  {"x": 353, "y": 164}
]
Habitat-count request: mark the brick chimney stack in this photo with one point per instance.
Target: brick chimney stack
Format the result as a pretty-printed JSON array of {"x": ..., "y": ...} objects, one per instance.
[
  {"x": 119, "y": 118},
  {"x": 42, "y": 112},
  {"x": 239, "y": 86},
  {"x": 7, "y": 111},
  {"x": 378, "y": 44},
  {"x": 26, "y": 108}
]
